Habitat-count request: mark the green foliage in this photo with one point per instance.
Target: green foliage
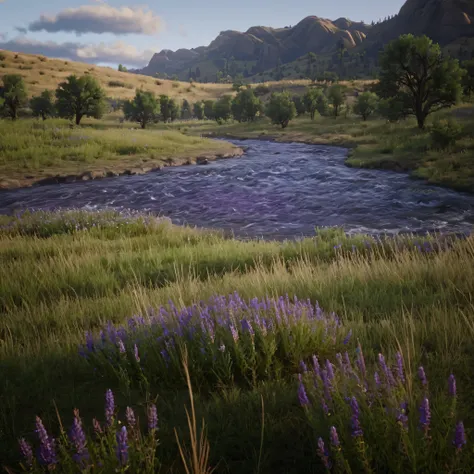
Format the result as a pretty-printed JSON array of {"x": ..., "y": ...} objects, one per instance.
[
  {"x": 80, "y": 96},
  {"x": 43, "y": 105},
  {"x": 299, "y": 104},
  {"x": 366, "y": 104},
  {"x": 468, "y": 78},
  {"x": 444, "y": 133},
  {"x": 119, "y": 84},
  {"x": 122, "y": 68},
  {"x": 416, "y": 75},
  {"x": 198, "y": 110},
  {"x": 246, "y": 106},
  {"x": 186, "y": 110},
  {"x": 337, "y": 97},
  {"x": 262, "y": 89},
  {"x": 144, "y": 108},
  {"x": 13, "y": 94},
  {"x": 209, "y": 109},
  {"x": 223, "y": 108},
  {"x": 281, "y": 109},
  {"x": 313, "y": 100},
  {"x": 392, "y": 109}
]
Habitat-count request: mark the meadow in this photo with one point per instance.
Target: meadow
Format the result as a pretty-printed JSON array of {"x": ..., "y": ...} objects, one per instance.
[{"x": 250, "y": 316}]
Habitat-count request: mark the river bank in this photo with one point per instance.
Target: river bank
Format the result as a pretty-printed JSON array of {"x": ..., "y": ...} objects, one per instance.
[{"x": 40, "y": 153}]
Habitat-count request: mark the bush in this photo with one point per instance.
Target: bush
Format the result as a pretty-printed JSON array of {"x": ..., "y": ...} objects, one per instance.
[
  {"x": 2, "y": 57},
  {"x": 444, "y": 133},
  {"x": 281, "y": 109},
  {"x": 119, "y": 84},
  {"x": 366, "y": 104},
  {"x": 262, "y": 89}
]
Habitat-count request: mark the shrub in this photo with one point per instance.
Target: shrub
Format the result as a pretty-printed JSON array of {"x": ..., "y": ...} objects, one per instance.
[
  {"x": 262, "y": 89},
  {"x": 144, "y": 108},
  {"x": 366, "y": 104},
  {"x": 41, "y": 73},
  {"x": 444, "y": 133},
  {"x": 2, "y": 57},
  {"x": 281, "y": 109},
  {"x": 175, "y": 85},
  {"x": 116, "y": 84},
  {"x": 158, "y": 82}
]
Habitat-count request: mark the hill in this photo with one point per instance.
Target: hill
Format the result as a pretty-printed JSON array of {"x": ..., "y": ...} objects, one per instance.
[{"x": 263, "y": 49}]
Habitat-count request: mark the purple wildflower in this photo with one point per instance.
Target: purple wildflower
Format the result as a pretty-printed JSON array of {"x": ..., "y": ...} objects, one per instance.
[
  {"x": 302, "y": 395},
  {"x": 400, "y": 372},
  {"x": 109, "y": 406},
  {"x": 121, "y": 346},
  {"x": 316, "y": 366},
  {"x": 330, "y": 370},
  {"x": 425, "y": 415},
  {"x": 326, "y": 384},
  {"x": 459, "y": 436},
  {"x": 324, "y": 406},
  {"x": 130, "y": 417},
  {"x": 347, "y": 338},
  {"x": 361, "y": 361},
  {"x": 89, "y": 342},
  {"x": 386, "y": 370},
  {"x": 377, "y": 379},
  {"x": 355, "y": 419},
  {"x": 26, "y": 451},
  {"x": 247, "y": 327},
  {"x": 452, "y": 386},
  {"x": 122, "y": 446},
  {"x": 234, "y": 332},
  {"x": 422, "y": 376},
  {"x": 47, "y": 453},
  {"x": 78, "y": 440},
  {"x": 347, "y": 361},
  {"x": 152, "y": 417},
  {"x": 135, "y": 353},
  {"x": 333, "y": 436},
  {"x": 303, "y": 367},
  {"x": 402, "y": 417},
  {"x": 323, "y": 454}
]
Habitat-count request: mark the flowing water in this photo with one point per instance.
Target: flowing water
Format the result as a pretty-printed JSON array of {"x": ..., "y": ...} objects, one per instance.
[{"x": 277, "y": 190}]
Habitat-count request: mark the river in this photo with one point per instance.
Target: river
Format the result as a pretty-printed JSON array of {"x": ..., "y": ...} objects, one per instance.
[{"x": 276, "y": 190}]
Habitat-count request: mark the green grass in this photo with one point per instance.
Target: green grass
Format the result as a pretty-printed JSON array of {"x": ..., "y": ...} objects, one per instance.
[
  {"x": 55, "y": 287},
  {"x": 31, "y": 150}
]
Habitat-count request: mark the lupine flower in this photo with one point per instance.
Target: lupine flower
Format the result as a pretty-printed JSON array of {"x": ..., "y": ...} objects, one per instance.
[
  {"x": 355, "y": 421},
  {"x": 47, "y": 453},
  {"x": 347, "y": 361},
  {"x": 78, "y": 439},
  {"x": 152, "y": 417},
  {"x": 422, "y": 376},
  {"x": 324, "y": 406},
  {"x": 339, "y": 361},
  {"x": 121, "y": 346},
  {"x": 316, "y": 366},
  {"x": 26, "y": 451},
  {"x": 130, "y": 417},
  {"x": 122, "y": 446},
  {"x": 247, "y": 327},
  {"x": 109, "y": 406},
  {"x": 386, "y": 370},
  {"x": 323, "y": 454},
  {"x": 302, "y": 395},
  {"x": 400, "y": 371},
  {"x": 303, "y": 367},
  {"x": 425, "y": 415},
  {"x": 459, "y": 436},
  {"x": 377, "y": 379},
  {"x": 452, "y": 385},
  {"x": 333, "y": 436},
  {"x": 234, "y": 332},
  {"x": 326, "y": 384},
  {"x": 330, "y": 370},
  {"x": 347, "y": 338},
  {"x": 361, "y": 361},
  {"x": 402, "y": 417},
  {"x": 135, "y": 353}
]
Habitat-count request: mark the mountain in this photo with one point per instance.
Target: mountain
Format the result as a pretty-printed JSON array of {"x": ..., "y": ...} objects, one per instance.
[{"x": 260, "y": 48}]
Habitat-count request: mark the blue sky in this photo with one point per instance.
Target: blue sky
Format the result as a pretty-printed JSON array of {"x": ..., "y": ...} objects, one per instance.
[{"x": 136, "y": 30}]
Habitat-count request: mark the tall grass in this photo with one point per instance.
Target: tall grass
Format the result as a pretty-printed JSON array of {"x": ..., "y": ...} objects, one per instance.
[{"x": 394, "y": 297}]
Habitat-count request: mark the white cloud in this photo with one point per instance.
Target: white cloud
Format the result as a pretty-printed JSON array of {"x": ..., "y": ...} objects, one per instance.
[
  {"x": 118, "y": 52},
  {"x": 101, "y": 18}
]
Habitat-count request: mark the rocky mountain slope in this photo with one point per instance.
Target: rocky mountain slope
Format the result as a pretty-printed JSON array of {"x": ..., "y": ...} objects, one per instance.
[{"x": 261, "y": 48}]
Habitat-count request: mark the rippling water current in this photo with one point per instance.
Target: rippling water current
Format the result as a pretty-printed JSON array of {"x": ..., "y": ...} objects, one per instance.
[{"x": 276, "y": 190}]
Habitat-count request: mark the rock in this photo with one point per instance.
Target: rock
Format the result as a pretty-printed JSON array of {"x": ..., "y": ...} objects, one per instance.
[
  {"x": 86, "y": 176},
  {"x": 97, "y": 174},
  {"x": 111, "y": 174},
  {"x": 202, "y": 160},
  {"x": 9, "y": 184},
  {"x": 70, "y": 178}
]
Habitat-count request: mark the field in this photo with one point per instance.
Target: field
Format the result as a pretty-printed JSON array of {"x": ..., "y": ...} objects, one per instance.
[{"x": 64, "y": 274}]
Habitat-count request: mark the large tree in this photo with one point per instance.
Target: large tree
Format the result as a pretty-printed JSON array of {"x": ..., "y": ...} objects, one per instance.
[
  {"x": 312, "y": 100},
  {"x": 144, "y": 108},
  {"x": 223, "y": 108},
  {"x": 281, "y": 109},
  {"x": 13, "y": 95},
  {"x": 417, "y": 77},
  {"x": 43, "y": 105},
  {"x": 337, "y": 97},
  {"x": 80, "y": 96},
  {"x": 468, "y": 79}
]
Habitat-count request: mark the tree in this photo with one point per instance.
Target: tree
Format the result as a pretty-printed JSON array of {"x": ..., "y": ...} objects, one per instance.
[
  {"x": 144, "y": 108},
  {"x": 366, "y": 104},
  {"x": 468, "y": 79},
  {"x": 299, "y": 105},
  {"x": 336, "y": 96},
  {"x": 43, "y": 105},
  {"x": 174, "y": 109},
  {"x": 122, "y": 68},
  {"x": 79, "y": 97},
  {"x": 198, "y": 110},
  {"x": 13, "y": 94},
  {"x": 311, "y": 100},
  {"x": 281, "y": 109},
  {"x": 186, "y": 110},
  {"x": 322, "y": 105},
  {"x": 246, "y": 106},
  {"x": 164, "y": 107},
  {"x": 415, "y": 74},
  {"x": 209, "y": 109},
  {"x": 223, "y": 108}
]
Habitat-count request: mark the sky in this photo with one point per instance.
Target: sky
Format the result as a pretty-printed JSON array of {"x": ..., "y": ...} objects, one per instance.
[{"x": 109, "y": 32}]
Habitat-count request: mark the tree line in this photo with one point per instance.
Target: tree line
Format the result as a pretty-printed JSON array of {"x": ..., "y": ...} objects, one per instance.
[{"x": 415, "y": 79}]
